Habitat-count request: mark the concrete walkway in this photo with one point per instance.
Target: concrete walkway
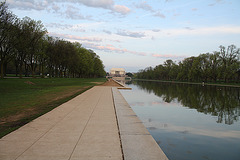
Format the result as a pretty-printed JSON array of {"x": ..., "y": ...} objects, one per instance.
[{"x": 84, "y": 128}]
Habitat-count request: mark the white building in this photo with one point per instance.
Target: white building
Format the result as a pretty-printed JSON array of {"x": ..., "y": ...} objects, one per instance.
[{"x": 117, "y": 72}]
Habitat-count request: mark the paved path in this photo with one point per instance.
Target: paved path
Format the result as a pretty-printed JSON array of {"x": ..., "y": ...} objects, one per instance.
[{"x": 84, "y": 128}]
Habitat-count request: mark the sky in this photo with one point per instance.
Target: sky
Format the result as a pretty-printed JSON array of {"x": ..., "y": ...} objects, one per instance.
[{"x": 135, "y": 34}]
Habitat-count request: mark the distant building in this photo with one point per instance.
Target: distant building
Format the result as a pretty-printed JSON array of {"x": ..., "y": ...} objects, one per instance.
[{"x": 117, "y": 72}]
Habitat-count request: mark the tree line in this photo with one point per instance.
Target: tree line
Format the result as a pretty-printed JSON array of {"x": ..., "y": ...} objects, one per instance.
[
  {"x": 223, "y": 65},
  {"x": 26, "y": 49}
]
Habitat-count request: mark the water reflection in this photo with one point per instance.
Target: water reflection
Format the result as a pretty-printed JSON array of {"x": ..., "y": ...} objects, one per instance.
[
  {"x": 171, "y": 127},
  {"x": 181, "y": 118},
  {"x": 122, "y": 80},
  {"x": 223, "y": 102}
]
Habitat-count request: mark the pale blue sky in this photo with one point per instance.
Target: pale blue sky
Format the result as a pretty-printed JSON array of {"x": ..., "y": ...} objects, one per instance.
[{"x": 135, "y": 34}]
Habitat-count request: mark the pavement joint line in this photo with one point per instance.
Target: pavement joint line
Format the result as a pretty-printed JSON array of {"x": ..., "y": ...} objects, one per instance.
[
  {"x": 119, "y": 134},
  {"x": 47, "y": 131},
  {"x": 85, "y": 126}
]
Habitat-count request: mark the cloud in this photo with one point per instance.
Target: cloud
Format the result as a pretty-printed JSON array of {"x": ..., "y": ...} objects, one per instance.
[
  {"x": 138, "y": 53},
  {"x": 176, "y": 14},
  {"x": 59, "y": 25},
  {"x": 107, "y": 48},
  {"x": 216, "y": 2},
  {"x": 153, "y": 38},
  {"x": 111, "y": 48},
  {"x": 76, "y": 28},
  {"x": 131, "y": 34},
  {"x": 143, "y": 5},
  {"x": 39, "y": 4},
  {"x": 69, "y": 12},
  {"x": 121, "y": 9},
  {"x": 106, "y": 31},
  {"x": 156, "y": 30},
  {"x": 106, "y": 4},
  {"x": 194, "y": 9},
  {"x": 55, "y": 8},
  {"x": 218, "y": 30},
  {"x": 212, "y": 4},
  {"x": 73, "y": 13},
  {"x": 189, "y": 28},
  {"x": 52, "y": 5},
  {"x": 28, "y": 4},
  {"x": 114, "y": 40},
  {"x": 168, "y": 56},
  {"x": 72, "y": 37},
  {"x": 159, "y": 14}
]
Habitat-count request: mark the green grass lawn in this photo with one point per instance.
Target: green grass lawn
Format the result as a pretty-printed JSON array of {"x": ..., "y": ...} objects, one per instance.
[{"x": 22, "y": 100}]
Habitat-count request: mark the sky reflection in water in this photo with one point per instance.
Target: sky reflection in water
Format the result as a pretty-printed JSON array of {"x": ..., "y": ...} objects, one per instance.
[{"x": 189, "y": 121}]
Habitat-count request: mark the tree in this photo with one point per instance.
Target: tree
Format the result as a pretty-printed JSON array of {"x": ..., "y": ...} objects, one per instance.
[
  {"x": 214, "y": 64},
  {"x": 8, "y": 24},
  {"x": 42, "y": 52},
  {"x": 98, "y": 68},
  {"x": 159, "y": 72},
  {"x": 171, "y": 70},
  {"x": 129, "y": 74},
  {"x": 185, "y": 67},
  {"x": 36, "y": 32},
  {"x": 229, "y": 62},
  {"x": 223, "y": 65},
  {"x": 199, "y": 70},
  {"x": 29, "y": 34}
]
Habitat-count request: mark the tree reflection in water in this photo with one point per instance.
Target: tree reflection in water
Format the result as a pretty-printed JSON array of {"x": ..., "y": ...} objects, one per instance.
[{"x": 223, "y": 102}]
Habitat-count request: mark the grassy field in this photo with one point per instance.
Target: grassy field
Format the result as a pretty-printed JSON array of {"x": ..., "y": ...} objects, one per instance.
[{"x": 22, "y": 100}]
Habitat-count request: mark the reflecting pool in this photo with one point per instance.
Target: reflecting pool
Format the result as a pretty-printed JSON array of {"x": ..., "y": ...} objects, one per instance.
[{"x": 189, "y": 122}]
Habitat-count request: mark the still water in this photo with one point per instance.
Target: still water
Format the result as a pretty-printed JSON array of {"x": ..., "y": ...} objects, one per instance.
[{"x": 189, "y": 122}]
